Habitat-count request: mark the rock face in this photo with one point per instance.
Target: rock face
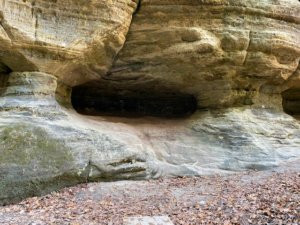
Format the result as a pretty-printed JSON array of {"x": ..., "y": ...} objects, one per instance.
[
  {"x": 215, "y": 78},
  {"x": 63, "y": 37},
  {"x": 223, "y": 52}
]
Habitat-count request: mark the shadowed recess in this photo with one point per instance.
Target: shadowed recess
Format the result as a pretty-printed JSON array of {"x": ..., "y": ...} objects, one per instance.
[
  {"x": 291, "y": 101},
  {"x": 92, "y": 101},
  {"x": 4, "y": 69},
  {"x": 4, "y": 74}
]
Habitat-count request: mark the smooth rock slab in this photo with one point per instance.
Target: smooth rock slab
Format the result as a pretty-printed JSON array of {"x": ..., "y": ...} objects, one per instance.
[{"x": 147, "y": 220}]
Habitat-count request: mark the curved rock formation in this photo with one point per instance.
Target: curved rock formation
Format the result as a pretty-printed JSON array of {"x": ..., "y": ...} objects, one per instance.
[
  {"x": 215, "y": 78},
  {"x": 223, "y": 52}
]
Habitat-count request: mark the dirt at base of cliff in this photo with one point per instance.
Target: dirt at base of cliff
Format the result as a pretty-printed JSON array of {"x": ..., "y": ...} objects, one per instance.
[{"x": 255, "y": 197}]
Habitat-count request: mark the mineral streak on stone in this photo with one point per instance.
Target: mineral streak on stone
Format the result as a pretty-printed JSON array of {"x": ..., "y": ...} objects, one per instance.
[{"x": 234, "y": 64}]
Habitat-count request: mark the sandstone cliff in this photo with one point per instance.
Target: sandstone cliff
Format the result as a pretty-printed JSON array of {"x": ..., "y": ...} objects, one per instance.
[{"x": 220, "y": 77}]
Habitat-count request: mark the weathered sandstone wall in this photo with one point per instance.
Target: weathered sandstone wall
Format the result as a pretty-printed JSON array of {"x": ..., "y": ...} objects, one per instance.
[{"x": 221, "y": 77}]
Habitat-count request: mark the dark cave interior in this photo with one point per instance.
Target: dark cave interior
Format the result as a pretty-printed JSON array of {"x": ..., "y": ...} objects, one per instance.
[
  {"x": 291, "y": 101},
  {"x": 96, "y": 102}
]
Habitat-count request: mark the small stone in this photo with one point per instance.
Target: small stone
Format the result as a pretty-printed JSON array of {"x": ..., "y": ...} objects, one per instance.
[
  {"x": 202, "y": 202},
  {"x": 147, "y": 220}
]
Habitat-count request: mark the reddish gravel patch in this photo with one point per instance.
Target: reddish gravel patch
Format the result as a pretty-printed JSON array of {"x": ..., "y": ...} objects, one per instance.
[{"x": 249, "y": 198}]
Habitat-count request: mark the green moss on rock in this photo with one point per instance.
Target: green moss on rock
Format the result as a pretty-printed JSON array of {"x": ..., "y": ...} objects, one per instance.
[
  {"x": 25, "y": 145},
  {"x": 32, "y": 162}
]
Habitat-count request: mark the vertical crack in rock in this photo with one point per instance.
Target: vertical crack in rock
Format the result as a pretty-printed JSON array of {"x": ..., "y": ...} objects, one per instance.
[
  {"x": 248, "y": 46},
  {"x": 36, "y": 26},
  {"x": 136, "y": 10},
  {"x": 139, "y": 4}
]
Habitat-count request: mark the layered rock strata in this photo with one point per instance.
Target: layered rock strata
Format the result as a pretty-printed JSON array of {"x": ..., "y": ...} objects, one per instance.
[
  {"x": 45, "y": 146},
  {"x": 227, "y": 70},
  {"x": 63, "y": 37},
  {"x": 223, "y": 52}
]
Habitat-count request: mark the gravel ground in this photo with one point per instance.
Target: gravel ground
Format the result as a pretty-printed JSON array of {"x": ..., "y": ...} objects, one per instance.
[{"x": 265, "y": 197}]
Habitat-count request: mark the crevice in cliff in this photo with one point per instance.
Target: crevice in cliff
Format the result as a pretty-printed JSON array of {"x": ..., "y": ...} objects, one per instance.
[
  {"x": 125, "y": 103},
  {"x": 138, "y": 7},
  {"x": 131, "y": 167},
  {"x": 291, "y": 102},
  {"x": 115, "y": 57},
  {"x": 248, "y": 46},
  {"x": 36, "y": 26}
]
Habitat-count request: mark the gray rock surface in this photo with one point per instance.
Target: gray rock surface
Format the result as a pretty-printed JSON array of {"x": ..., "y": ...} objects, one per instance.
[{"x": 45, "y": 146}]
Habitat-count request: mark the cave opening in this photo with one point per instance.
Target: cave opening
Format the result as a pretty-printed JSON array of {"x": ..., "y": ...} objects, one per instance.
[
  {"x": 95, "y": 102},
  {"x": 291, "y": 102},
  {"x": 4, "y": 75}
]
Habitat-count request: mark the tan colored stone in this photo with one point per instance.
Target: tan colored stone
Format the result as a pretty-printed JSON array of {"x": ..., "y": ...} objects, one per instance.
[
  {"x": 74, "y": 40},
  {"x": 223, "y": 52}
]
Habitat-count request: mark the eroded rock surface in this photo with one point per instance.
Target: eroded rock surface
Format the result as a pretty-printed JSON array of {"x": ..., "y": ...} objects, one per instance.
[
  {"x": 227, "y": 70},
  {"x": 224, "y": 52},
  {"x": 63, "y": 37}
]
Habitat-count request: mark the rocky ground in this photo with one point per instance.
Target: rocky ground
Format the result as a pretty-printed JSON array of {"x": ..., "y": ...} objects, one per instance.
[{"x": 256, "y": 197}]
